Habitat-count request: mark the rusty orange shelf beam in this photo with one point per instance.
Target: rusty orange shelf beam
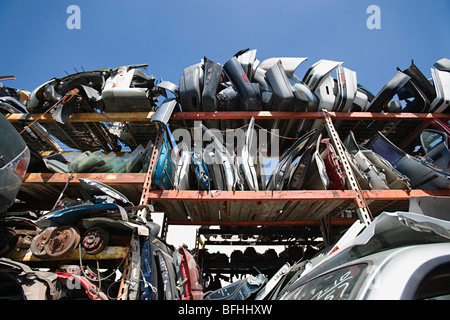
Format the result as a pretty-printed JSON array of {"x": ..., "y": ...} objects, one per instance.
[
  {"x": 147, "y": 116},
  {"x": 307, "y": 115},
  {"x": 83, "y": 117},
  {"x": 287, "y": 195},
  {"x": 106, "y": 178}
]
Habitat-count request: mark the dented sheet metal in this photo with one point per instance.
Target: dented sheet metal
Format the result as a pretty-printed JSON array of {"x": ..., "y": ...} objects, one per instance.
[
  {"x": 76, "y": 238},
  {"x": 422, "y": 173},
  {"x": 110, "y": 247},
  {"x": 247, "y": 164}
]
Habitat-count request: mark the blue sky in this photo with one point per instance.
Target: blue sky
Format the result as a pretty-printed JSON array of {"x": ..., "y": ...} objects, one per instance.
[{"x": 172, "y": 35}]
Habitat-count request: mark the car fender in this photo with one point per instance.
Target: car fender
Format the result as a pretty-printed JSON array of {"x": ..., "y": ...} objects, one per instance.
[
  {"x": 388, "y": 91},
  {"x": 290, "y": 64},
  {"x": 277, "y": 78},
  {"x": 250, "y": 97},
  {"x": 318, "y": 72},
  {"x": 247, "y": 164},
  {"x": 347, "y": 86},
  {"x": 191, "y": 86},
  {"x": 441, "y": 81}
]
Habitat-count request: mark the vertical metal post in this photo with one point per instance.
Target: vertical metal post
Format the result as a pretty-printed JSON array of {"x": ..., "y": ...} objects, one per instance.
[
  {"x": 129, "y": 286},
  {"x": 324, "y": 229},
  {"x": 360, "y": 204},
  {"x": 148, "y": 179},
  {"x": 165, "y": 227},
  {"x": 197, "y": 242}
]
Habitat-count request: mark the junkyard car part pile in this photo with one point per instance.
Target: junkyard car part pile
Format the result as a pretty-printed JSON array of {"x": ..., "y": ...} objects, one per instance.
[
  {"x": 105, "y": 224},
  {"x": 100, "y": 248},
  {"x": 97, "y": 161},
  {"x": 14, "y": 160},
  {"x": 401, "y": 255},
  {"x": 121, "y": 89},
  {"x": 245, "y": 83},
  {"x": 71, "y": 238}
]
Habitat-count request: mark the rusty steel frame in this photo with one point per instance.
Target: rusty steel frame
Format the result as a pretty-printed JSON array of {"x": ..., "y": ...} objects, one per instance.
[
  {"x": 146, "y": 116},
  {"x": 360, "y": 203},
  {"x": 106, "y": 178},
  {"x": 148, "y": 195},
  {"x": 83, "y": 117},
  {"x": 307, "y": 115},
  {"x": 218, "y": 195},
  {"x": 281, "y": 196},
  {"x": 288, "y": 195},
  {"x": 148, "y": 178}
]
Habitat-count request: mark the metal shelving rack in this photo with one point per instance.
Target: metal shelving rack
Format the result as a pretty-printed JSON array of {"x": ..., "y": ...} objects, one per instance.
[
  {"x": 254, "y": 211},
  {"x": 320, "y": 210},
  {"x": 204, "y": 204},
  {"x": 238, "y": 208}
]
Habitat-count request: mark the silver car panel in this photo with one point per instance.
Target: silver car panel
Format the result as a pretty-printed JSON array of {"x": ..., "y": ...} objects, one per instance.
[
  {"x": 273, "y": 281},
  {"x": 318, "y": 72},
  {"x": 219, "y": 161},
  {"x": 34, "y": 101},
  {"x": 441, "y": 81},
  {"x": 316, "y": 177},
  {"x": 247, "y": 164},
  {"x": 290, "y": 64},
  {"x": 376, "y": 178},
  {"x": 282, "y": 170},
  {"x": 267, "y": 96},
  {"x": 281, "y": 87},
  {"x": 433, "y": 206},
  {"x": 393, "y": 274},
  {"x": 326, "y": 94},
  {"x": 362, "y": 98},
  {"x": 181, "y": 179},
  {"x": 443, "y": 64},
  {"x": 360, "y": 175},
  {"x": 319, "y": 79},
  {"x": 394, "y": 178},
  {"x": 390, "y": 235},
  {"x": 347, "y": 86},
  {"x": 164, "y": 111},
  {"x": 305, "y": 99},
  {"x": 11, "y": 105},
  {"x": 172, "y": 87},
  {"x": 119, "y": 95}
]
